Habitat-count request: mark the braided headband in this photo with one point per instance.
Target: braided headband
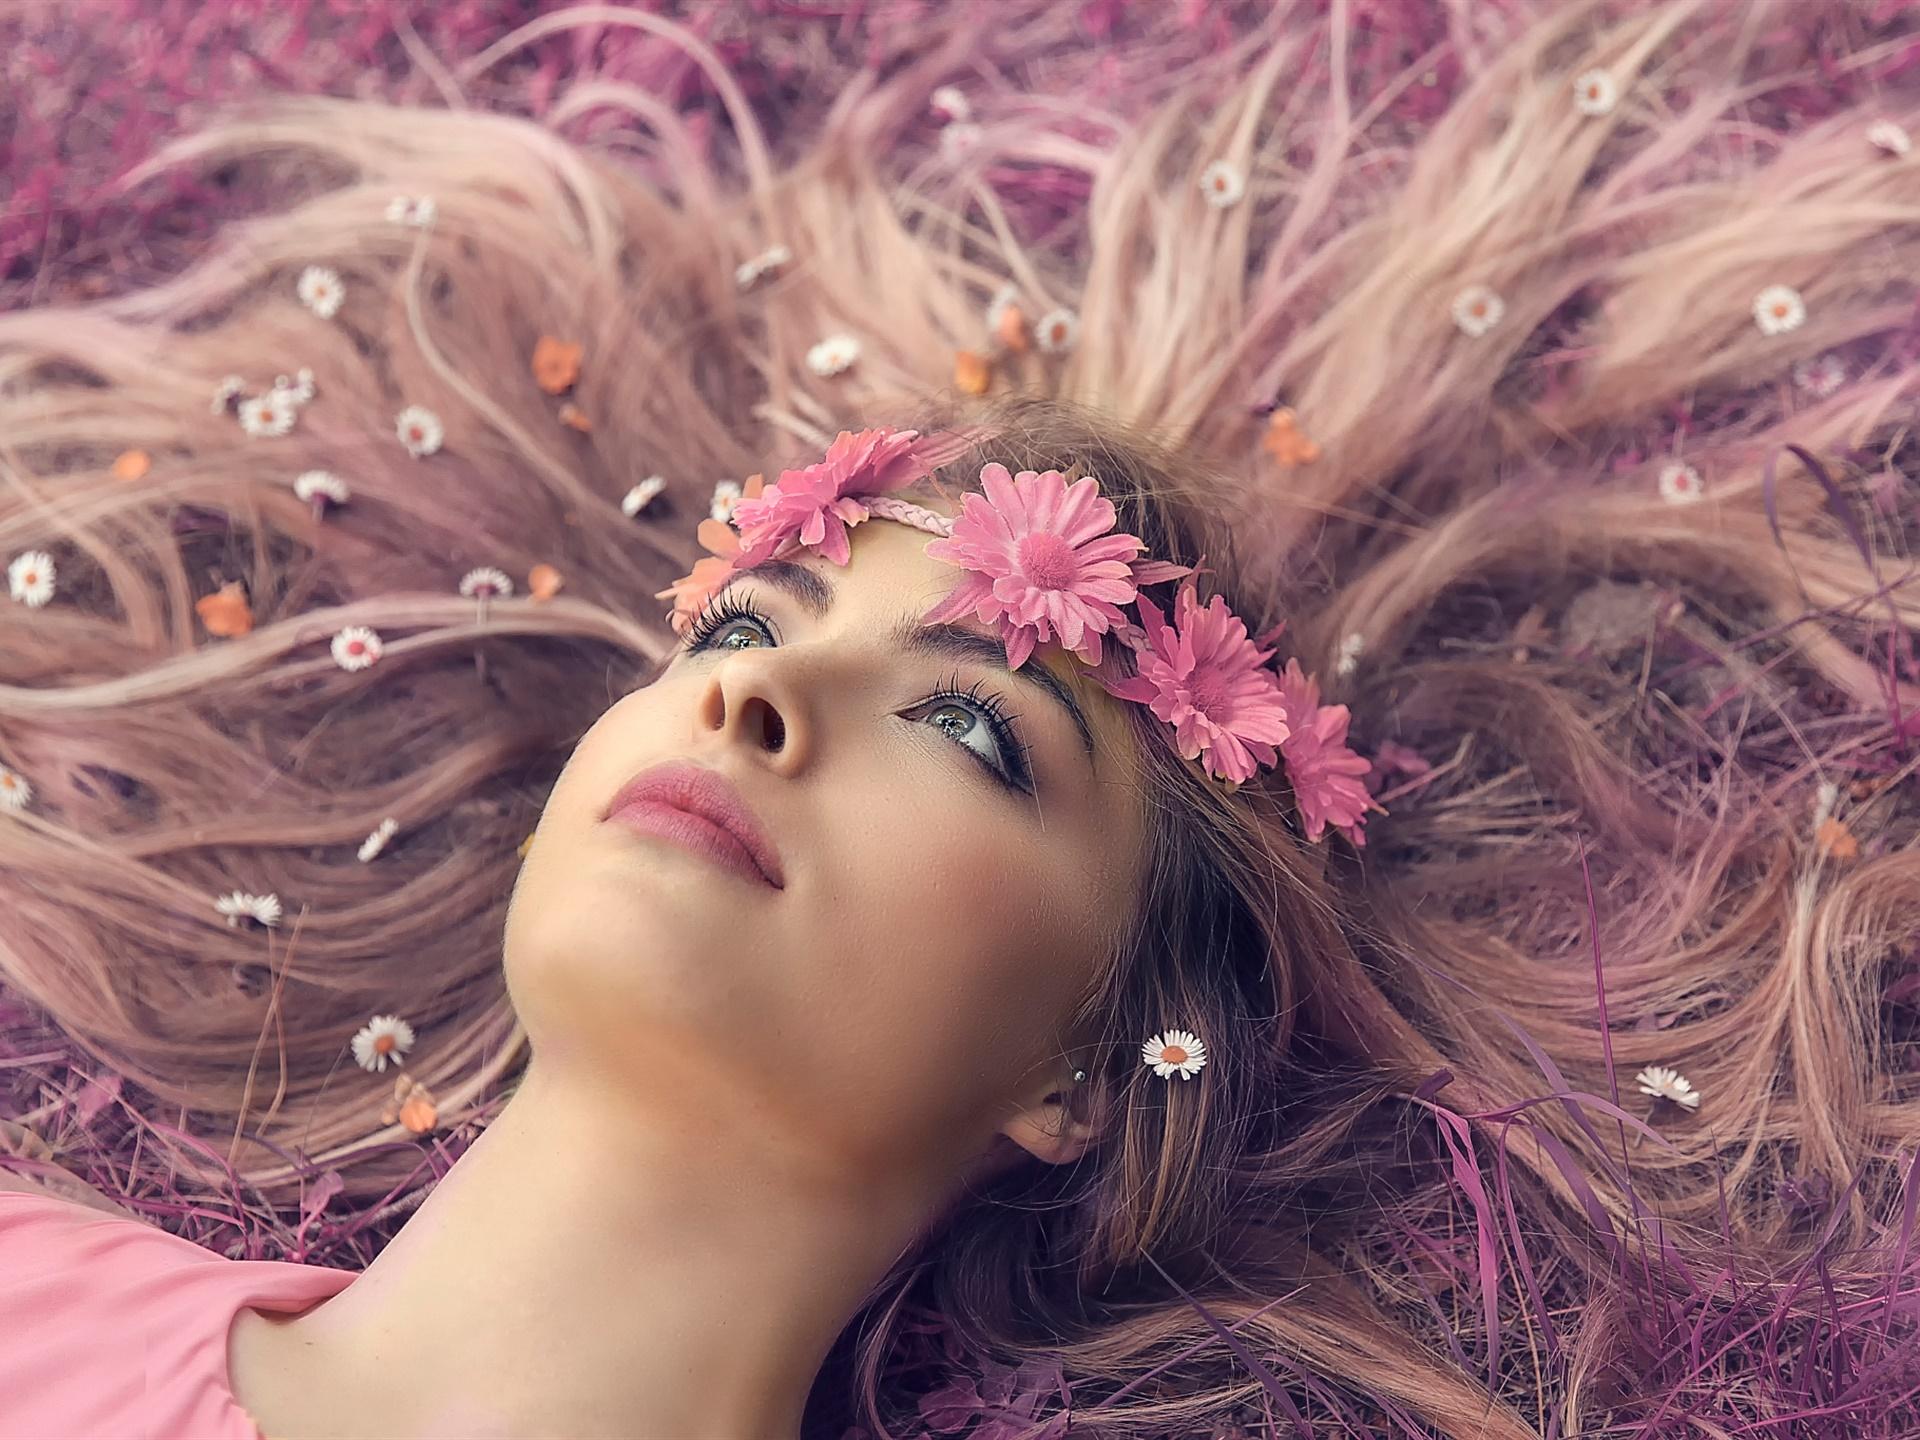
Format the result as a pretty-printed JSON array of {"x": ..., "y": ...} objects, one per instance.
[{"x": 1043, "y": 564}]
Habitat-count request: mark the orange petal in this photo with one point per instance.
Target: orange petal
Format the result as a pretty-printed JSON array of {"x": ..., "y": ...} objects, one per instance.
[
  {"x": 718, "y": 536},
  {"x": 971, "y": 372},
  {"x": 543, "y": 582},
  {"x": 418, "y": 1113},
  {"x": 1836, "y": 839},
  {"x": 571, "y": 414},
  {"x": 756, "y": 482},
  {"x": 1012, "y": 330},
  {"x": 227, "y": 611},
  {"x": 132, "y": 464},
  {"x": 556, "y": 364}
]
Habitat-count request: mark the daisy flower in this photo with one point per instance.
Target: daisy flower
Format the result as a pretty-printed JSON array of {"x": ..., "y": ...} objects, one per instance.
[
  {"x": 486, "y": 581},
  {"x": 1222, "y": 184},
  {"x": 951, "y": 103},
  {"x": 355, "y": 648},
  {"x": 765, "y": 263},
  {"x": 997, "y": 307},
  {"x": 30, "y": 578},
  {"x": 726, "y": 495},
  {"x": 238, "y": 905},
  {"x": 302, "y": 387},
  {"x": 1042, "y": 564},
  {"x": 815, "y": 505},
  {"x": 1477, "y": 310},
  {"x": 1204, "y": 676},
  {"x": 1820, "y": 376},
  {"x": 959, "y": 140},
  {"x": 383, "y": 1037},
  {"x": 272, "y": 413},
  {"x": 1350, "y": 649},
  {"x": 1664, "y": 1083},
  {"x": 377, "y": 841},
  {"x": 641, "y": 495},
  {"x": 321, "y": 486},
  {"x": 1778, "y": 309},
  {"x": 419, "y": 430},
  {"x": 1680, "y": 483},
  {"x": 1594, "y": 93},
  {"x": 321, "y": 291},
  {"x": 1058, "y": 330},
  {"x": 410, "y": 210},
  {"x": 223, "y": 394},
  {"x": 1885, "y": 135},
  {"x": 1175, "y": 1050},
  {"x": 15, "y": 792},
  {"x": 833, "y": 354},
  {"x": 1326, "y": 775}
]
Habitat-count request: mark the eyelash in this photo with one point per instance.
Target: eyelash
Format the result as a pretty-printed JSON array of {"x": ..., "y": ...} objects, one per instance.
[{"x": 1006, "y": 734}]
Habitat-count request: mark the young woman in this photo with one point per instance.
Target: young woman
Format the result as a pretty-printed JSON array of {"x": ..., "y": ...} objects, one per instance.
[{"x": 1274, "y": 752}]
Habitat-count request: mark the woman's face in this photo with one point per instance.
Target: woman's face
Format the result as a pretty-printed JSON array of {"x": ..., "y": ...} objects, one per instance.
[{"x": 936, "y": 922}]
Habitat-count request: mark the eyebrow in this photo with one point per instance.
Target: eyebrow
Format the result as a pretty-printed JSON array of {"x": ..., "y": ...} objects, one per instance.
[{"x": 948, "y": 641}]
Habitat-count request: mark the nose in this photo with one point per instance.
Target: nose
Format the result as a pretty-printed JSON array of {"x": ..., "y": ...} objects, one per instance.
[{"x": 755, "y": 701}]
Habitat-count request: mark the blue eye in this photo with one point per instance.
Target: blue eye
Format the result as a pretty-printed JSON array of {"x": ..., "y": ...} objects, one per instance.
[{"x": 982, "y": 708}]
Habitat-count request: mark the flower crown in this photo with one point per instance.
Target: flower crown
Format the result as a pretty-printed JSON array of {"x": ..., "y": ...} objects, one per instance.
[{"x": 1044, "y": 563}]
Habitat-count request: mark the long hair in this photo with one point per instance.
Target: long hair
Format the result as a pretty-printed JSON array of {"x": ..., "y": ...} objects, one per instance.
[{"x": 1608, "y": 558}]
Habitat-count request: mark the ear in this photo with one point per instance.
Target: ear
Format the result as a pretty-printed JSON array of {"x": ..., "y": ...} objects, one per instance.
[{"x": 1051, "y": 1127}]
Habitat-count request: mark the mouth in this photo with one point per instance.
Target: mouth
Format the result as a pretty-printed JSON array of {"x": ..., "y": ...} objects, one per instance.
[{"x": 700, "y": 809}]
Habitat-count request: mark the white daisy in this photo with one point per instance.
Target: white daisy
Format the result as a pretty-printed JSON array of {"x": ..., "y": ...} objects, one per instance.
[
  {"x": 1887, "y": 136},
  {"x": 1664, "y": 1083},
  {"x": 15, "y": 792},
  {"x": 411, "y": 210},
  {"x": 959, "y": 140},
  {"x": 1778, "y": 309},
  {"x": 314, "y": 483},
  {"x": 641, "y": 495},
  {"x": 1350, "y": 648},
  {"x": 1680, "y": 483},
  {"x": 30, "y": 578},
  {"x": 419, "y": 430},
  {"x": 1057, "y": 330},
  {"x": 1179, "y": 1050},
  {"x": 377, "y": 841},
  {"x": 238, "y": 905},
  {"x": 356, "y": 647},
  {"x": 765, "y": 263},
  {"x": 726, "y": 495},
  {"x": 271, "y": 413},
  {"x": 1594, "y": 93},
  {"x": 1820, "y": 376},
  {"x": 224, "y": 393},
  {"x": 382, "y": 1037},
  {"x": 487, "y": 580},
  {"x": 301, "y": 388},
  {"x": 321, "y": 291},
  {"x": 1222, "y": 184},
  {"x": 833, "y": 354},
  {"x": 1824, "y": 799},
  {"x": 1477, "y": 309},
  {"x": 951, "y": 103}
]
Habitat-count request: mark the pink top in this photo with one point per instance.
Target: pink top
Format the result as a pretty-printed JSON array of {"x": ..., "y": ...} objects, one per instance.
[{"x": 114, "y": 1329}]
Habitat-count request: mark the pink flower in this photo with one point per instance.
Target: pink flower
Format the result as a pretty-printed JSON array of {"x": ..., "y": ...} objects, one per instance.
[
  {"x": 1203, "y": 676},
  {"x": 1327, "y": 777},
  {"x": 817, "y": 504},
  {"x": 1043, "y": 565}
]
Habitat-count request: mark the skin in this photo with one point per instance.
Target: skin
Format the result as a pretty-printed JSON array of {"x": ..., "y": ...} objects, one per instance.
[{"x": 744, "y": 1103}]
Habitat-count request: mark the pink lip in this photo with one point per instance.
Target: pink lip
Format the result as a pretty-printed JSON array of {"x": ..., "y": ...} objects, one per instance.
[{"x": 698, "y": 808}]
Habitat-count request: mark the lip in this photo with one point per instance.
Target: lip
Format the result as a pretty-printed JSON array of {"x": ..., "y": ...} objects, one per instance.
[{"x": 699, "y": 808}]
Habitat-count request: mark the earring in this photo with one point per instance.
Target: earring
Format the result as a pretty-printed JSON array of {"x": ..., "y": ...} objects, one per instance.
[{"x": 1079, "y": 1076}]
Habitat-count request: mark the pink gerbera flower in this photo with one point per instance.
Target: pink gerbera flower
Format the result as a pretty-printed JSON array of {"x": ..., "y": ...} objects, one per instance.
[
  {"x": 817, "y": 504},
  {"x": 1327, "y": 777},
  {"x": 1043, "y": 565},
  {"x": 1203, "y": 676}
]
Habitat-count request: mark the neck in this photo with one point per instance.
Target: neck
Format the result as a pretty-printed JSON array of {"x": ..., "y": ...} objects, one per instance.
[{"x": 592, "y": 1266}]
